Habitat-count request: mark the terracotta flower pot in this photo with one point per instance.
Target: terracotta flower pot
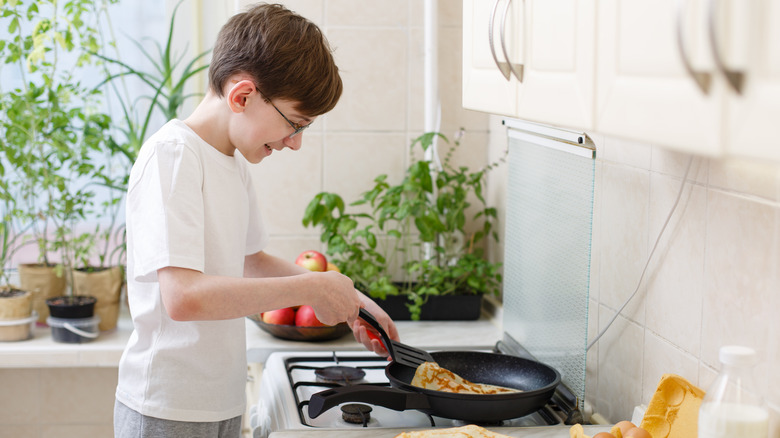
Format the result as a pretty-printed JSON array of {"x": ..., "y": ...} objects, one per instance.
[
  {"x": 105, "y": 284},
  {"x": 15, "y": 314},
  {"x": 44, "y": 283}
]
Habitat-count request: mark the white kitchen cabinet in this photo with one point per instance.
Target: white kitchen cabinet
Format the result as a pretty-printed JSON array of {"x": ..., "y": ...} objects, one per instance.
[
  {"x": 752, "y": 115},
  {"x": 485, "y": 88},
  {"x": 644, "y": 90},
  {"x": 699, "y": 76},
  {"x": 546, "y": 51},
  {"x": 557, "y": 86}
]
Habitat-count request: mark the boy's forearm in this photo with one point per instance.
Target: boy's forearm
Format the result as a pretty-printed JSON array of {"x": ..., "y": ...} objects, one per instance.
[
  {"x": 262, "y": 264},
  {"x": 191, "y": 295}
]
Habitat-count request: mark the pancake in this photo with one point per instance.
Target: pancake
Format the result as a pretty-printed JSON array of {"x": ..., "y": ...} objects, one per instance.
[
  {"x": 470, "y": 431},
  {"x": 430, "y": 375}
]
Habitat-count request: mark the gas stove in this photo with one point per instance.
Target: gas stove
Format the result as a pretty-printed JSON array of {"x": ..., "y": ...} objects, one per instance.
[{"x": 289, "y": 380}]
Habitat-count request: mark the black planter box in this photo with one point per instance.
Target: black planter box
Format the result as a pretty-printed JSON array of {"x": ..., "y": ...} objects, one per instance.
[{"x": 437, "y": 308}]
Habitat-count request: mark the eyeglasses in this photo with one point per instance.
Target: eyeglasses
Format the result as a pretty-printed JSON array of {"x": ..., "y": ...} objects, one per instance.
[{"x": 297, "y": 127}]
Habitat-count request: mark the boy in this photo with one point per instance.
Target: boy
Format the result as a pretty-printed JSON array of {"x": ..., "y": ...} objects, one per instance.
[{"x": 194, "y": 237}]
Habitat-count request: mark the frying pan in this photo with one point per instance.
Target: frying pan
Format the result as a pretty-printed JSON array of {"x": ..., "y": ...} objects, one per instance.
[{"x": 536, "y": 380}]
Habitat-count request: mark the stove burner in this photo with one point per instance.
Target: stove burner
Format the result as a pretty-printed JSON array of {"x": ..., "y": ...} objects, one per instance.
[
  {"x": 339, "y": 374},
  {"x": 356, "y": 413}
]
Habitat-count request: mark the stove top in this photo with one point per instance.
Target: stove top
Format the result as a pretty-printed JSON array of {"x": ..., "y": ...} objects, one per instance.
[{"x": 291, "y": 378}]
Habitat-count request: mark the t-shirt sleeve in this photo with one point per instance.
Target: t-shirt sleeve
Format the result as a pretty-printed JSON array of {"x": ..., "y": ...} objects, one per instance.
[{"x": 165, "y": 211}]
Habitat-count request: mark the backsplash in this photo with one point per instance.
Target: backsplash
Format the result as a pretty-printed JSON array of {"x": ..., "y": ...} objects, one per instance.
[{"x": 713, "y": 280}]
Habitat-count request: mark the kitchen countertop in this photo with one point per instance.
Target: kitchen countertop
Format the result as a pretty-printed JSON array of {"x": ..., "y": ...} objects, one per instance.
[
  {"x": 43, "y": 352},
  {"x": 520, "y": 432},
  {"x": 481, "y": 333}
]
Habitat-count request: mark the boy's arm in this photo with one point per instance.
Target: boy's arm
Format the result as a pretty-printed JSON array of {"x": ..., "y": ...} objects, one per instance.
[
  {"x": 190, "y": 295},
  {"x": 262, "y": 264}
]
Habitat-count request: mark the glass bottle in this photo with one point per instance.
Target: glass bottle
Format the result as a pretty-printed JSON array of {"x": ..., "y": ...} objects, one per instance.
[{"x": 732, "y": 407}]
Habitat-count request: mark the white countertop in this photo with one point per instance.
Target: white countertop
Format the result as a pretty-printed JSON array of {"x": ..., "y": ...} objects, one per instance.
[
  {"x": 520, "y": 432},
  {"x": 43, "y": 352},
  {"x": 432, "y": 335}
]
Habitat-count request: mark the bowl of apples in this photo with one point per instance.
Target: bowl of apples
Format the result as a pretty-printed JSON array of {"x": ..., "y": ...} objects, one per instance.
[{"x": 299, "y": 323}]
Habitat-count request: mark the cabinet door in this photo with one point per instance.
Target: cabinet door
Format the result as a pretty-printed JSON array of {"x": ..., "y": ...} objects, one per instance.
[
  {"x": 485, "y": 88},
  {"x": 557, "y": 86},
  {"x": 753, "y": 113},
  {"x": 644, "y": 90}
]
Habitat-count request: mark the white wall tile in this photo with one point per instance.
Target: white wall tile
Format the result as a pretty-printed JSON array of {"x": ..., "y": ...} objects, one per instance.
[
  {"x": 623, "y": 246},
  {"x": 747, "y": 177},
  {"x": 77, "y": 395},
  {"x": 360, "y": 13},
  {"x": 677, "y": 271},
  {"x": 20, "y": 402},
  {"x": 373, "y": 66},
  {"x": 628, "y": 152},
  {"x": 352, "y": 161},
  {"x": 662, "y": 357},
  {"x": 286, "y": 181},
  {"x": 620, "y": 353},
  {"x": 737, "y": 274}
]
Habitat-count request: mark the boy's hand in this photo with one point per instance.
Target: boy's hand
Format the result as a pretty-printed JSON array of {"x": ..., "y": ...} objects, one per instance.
[
  {"x": 362, "y": 330},
  {"x": 335, "y": 299}
]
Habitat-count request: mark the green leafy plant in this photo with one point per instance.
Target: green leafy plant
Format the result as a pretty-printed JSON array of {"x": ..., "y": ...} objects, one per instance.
[
  {"x": 165, "y": 94},
  {"x": 420, "y": 226},
  {"x": 51, "y": 125}
]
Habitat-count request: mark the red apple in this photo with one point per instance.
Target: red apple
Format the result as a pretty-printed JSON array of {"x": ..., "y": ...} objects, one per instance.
[
  {"x": 305, "y": 317},
  {"x": 284, "y": 316},
  {"x": 312, "y": 260}
]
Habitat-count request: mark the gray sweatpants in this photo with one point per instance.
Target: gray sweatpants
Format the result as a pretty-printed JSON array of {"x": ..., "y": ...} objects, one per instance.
[{"x": 130, "y": 424}]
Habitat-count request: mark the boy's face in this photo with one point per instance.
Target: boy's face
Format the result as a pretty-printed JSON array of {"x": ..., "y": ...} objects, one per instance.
[{"x": 262, "y": 126}]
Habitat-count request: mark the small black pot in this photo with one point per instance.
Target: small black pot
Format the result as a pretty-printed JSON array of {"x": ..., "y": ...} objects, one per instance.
[{"x": 72, "y": 306}]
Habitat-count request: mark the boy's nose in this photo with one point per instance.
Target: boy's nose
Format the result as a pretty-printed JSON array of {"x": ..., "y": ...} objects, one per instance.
[{"x": 293, "y": 143}]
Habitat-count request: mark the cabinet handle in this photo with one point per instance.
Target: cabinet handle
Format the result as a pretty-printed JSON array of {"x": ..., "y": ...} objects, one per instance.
[
  {"x": 703, "y": 79},
  {"x": 503, "y": 67},
  {"x": 516, "y": 69},
  {"x": 735, "y": 78}
]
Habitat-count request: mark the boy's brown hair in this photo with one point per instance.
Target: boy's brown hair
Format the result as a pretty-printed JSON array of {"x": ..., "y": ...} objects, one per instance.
[{"x": 288, "y": 56}]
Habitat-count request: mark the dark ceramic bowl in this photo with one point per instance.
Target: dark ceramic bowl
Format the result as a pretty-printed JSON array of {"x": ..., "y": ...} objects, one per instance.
[{"x": 306, "y": 334}]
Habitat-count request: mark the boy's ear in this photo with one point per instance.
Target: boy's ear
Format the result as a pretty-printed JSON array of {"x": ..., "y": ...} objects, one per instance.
[{"x": 237, "y": 95}]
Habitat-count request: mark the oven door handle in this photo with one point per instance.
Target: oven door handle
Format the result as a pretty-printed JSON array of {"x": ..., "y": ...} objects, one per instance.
[{"x": 391, "y": 398}]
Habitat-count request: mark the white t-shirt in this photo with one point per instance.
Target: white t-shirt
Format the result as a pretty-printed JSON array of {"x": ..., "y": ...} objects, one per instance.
[{"x": 188, "y": 206}]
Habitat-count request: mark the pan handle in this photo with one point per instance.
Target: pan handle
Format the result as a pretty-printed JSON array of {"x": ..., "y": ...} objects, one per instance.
[
  {"x": 366, "y": 316},
  {"x": 391, "y": 398}
]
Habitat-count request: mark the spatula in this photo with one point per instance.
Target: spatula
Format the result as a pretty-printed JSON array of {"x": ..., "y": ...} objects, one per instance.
[{"x": 399, "y": 352}]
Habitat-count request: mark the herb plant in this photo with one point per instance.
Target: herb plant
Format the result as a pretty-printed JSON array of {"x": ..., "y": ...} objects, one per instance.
[{"x": 419, "y": 225}]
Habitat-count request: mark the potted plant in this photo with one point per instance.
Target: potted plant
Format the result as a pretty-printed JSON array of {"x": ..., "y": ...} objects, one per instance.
[
  {"x": 51, "y": 129},
  {"x": 166, "y": 85},
  {"x": 419, "y": 240},
  {"x": 15, "y": 304}
]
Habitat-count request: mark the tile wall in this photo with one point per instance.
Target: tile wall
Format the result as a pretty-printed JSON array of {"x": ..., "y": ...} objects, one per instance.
[
  {"x": 379, "y": 52},
  {"x": 714, "y": 278}
]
